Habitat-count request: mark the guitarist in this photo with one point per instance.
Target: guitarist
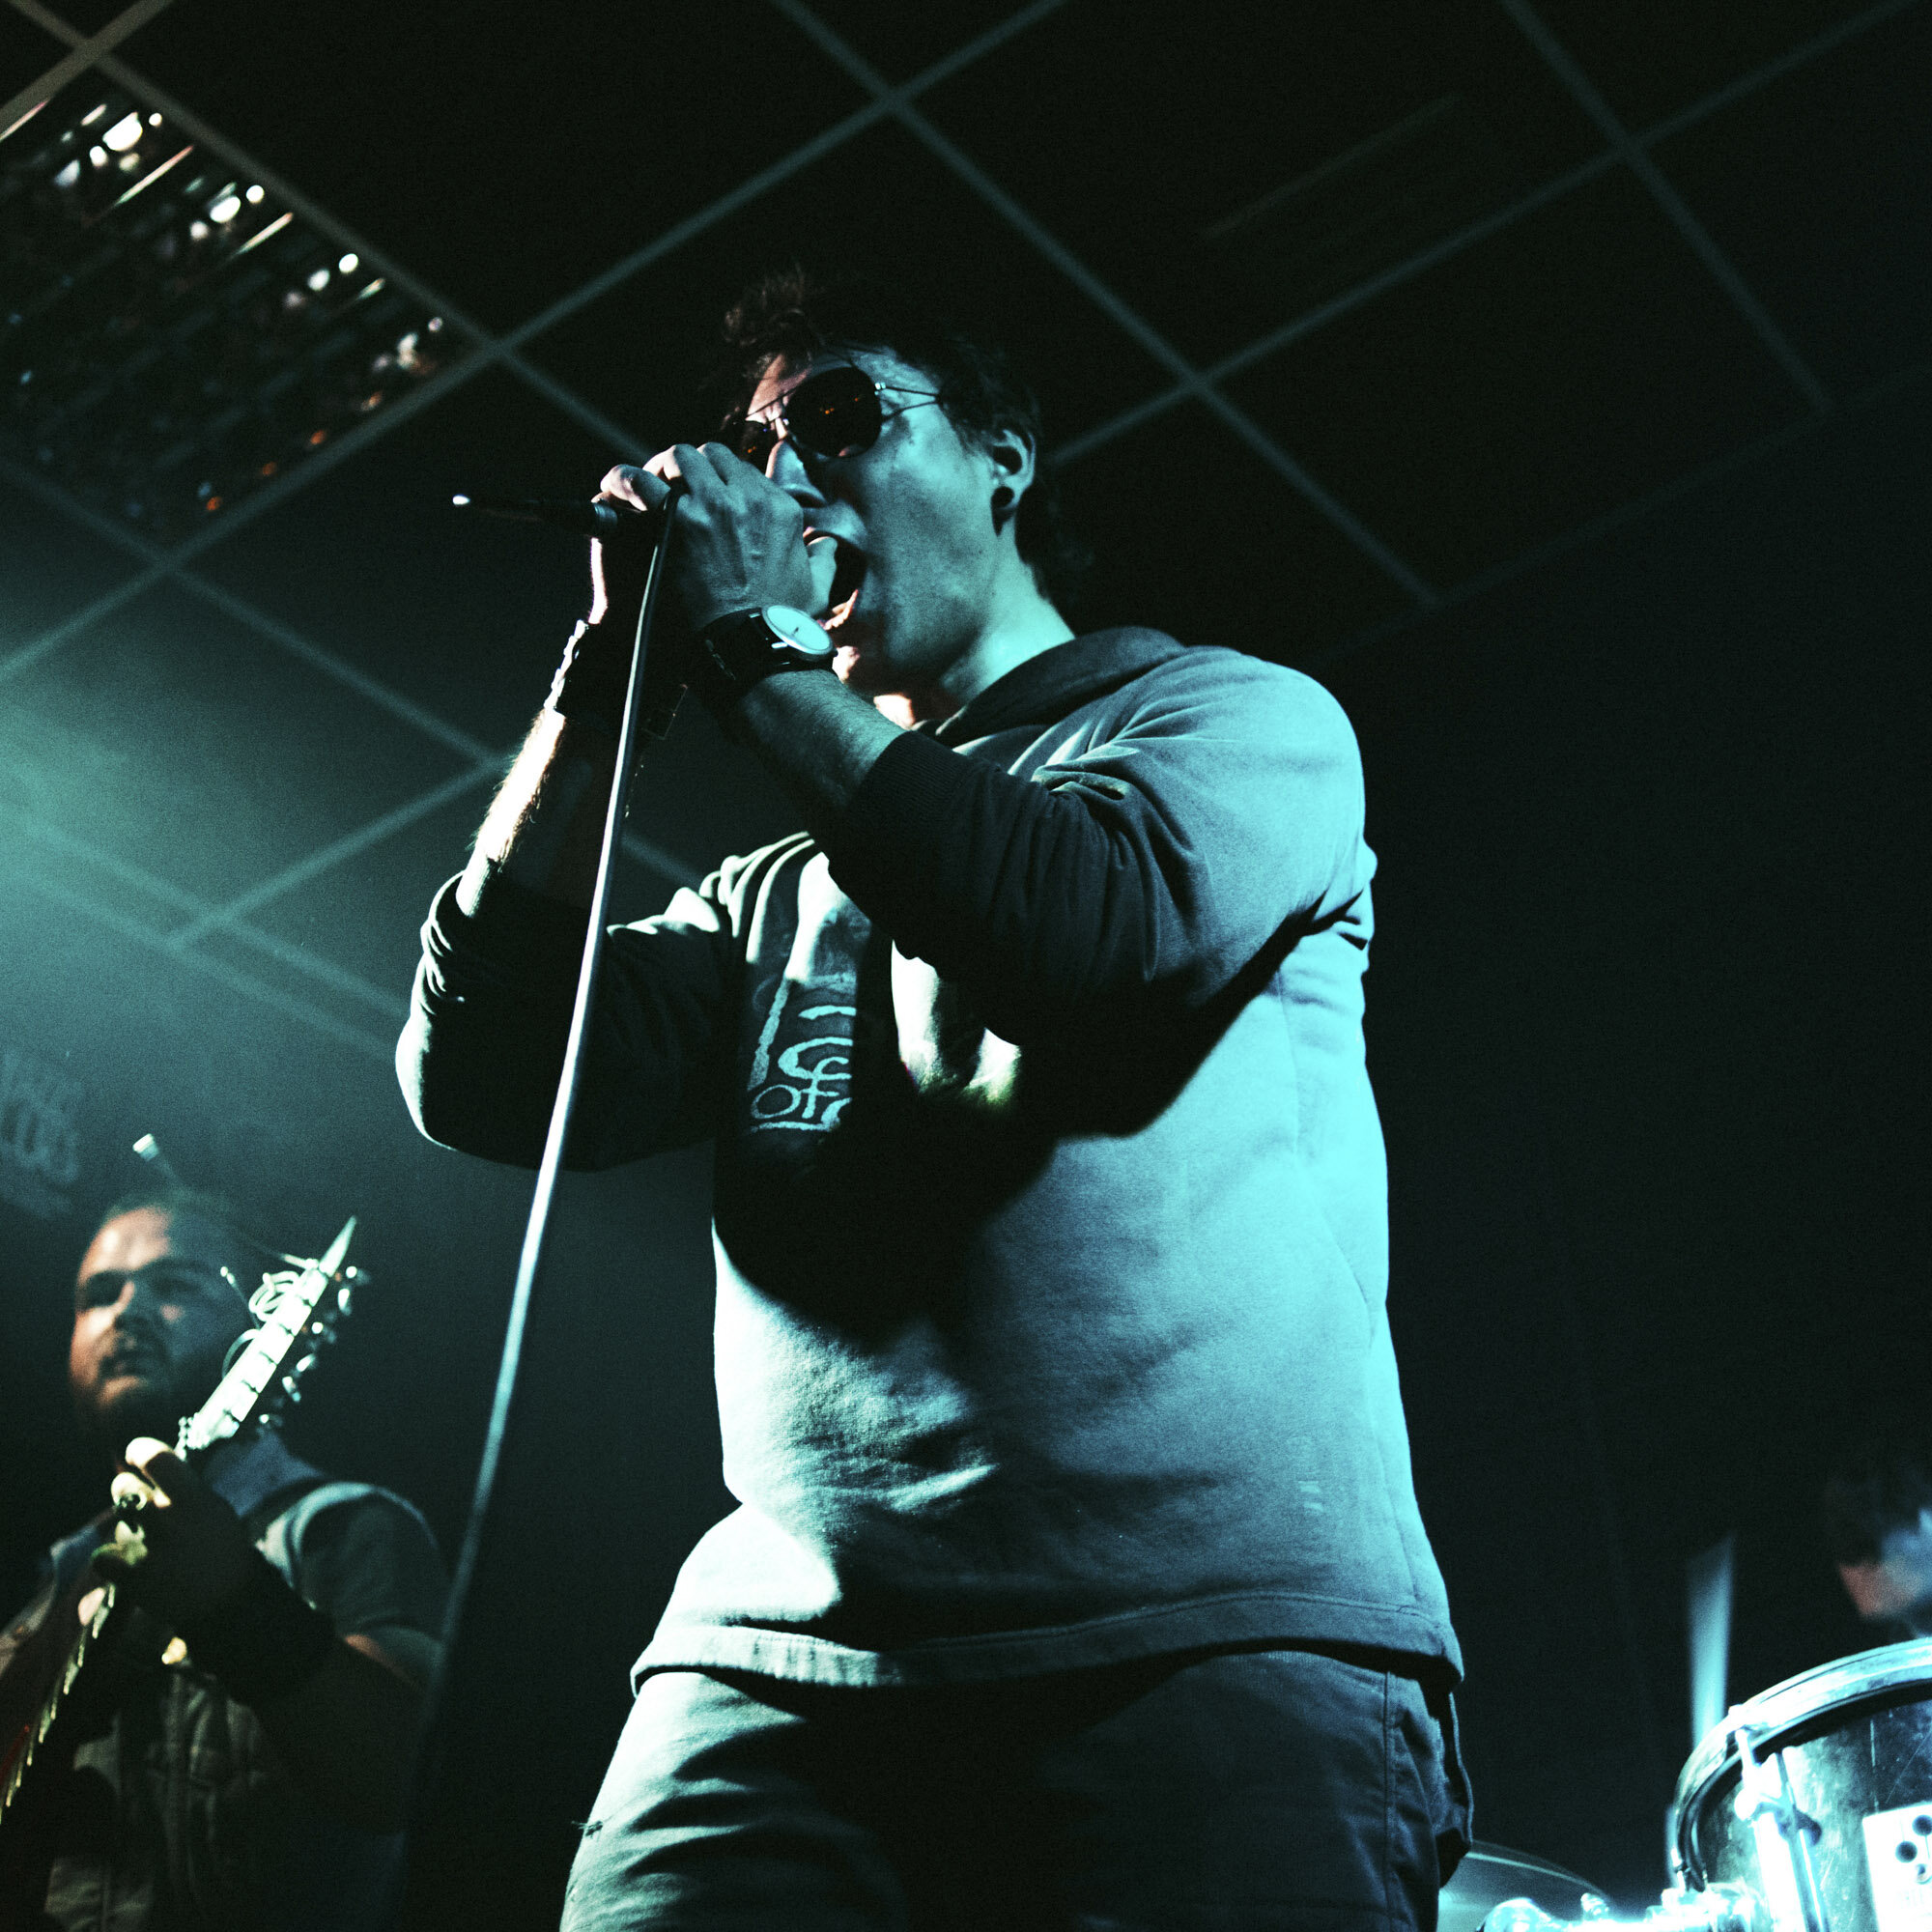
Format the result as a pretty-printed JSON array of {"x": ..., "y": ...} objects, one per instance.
[{"x": 238, "y": 1750}]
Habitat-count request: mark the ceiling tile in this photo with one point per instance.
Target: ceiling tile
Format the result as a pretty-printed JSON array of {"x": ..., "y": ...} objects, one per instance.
[
  {"x": 1825, "y": 213},
  {"x": 463, "y": 615},
  {"x": 1576, "y": 360},
  {"x": 170, "y": 738},
  {"x": 902, "y": 42},
  {"x": 881, "y": 204},
  {"x": 53, "y": 566},
  {"x": 302, "y": 988},
  {"x": 695, "y": 796},
  {"x": 1229, "y": 167},
  {"x": 365, "y": 915},
  {"x": 1655, "y": 57},
  {"x": 495, "y": 152},
  {"x": 92, "y": 918},
  {"x": 1192, "y": 534},
  {"x": 66, "y": 869},
  {"x": 91, "y": 15},
  {"x": 26, "y": 52}
]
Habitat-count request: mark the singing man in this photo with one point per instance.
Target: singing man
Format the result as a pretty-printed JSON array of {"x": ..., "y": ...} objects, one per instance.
[
  {"x": 1077, "y": 1577},
  {"x": 238, "y": 1752}
]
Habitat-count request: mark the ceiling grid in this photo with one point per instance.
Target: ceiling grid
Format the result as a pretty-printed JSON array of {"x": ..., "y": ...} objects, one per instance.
[
  {"x": 1117, "y": 310},
  {"x": 1193, "y": 383},
  {"x": 1635, "y": 156},
  {"x": 889, "y": 102},
  {"x": 1625, "y": 514},
  {"x": 81, "y": 56},
  {"x": 29, "y": 830}
]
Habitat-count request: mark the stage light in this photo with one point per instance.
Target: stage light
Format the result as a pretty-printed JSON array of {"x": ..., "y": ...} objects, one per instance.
[
  {"x": 175, "y": 340},
  {"x": 267, "y": 233}
]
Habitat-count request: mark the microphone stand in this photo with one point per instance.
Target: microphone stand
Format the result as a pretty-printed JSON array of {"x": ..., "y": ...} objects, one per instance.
[{"x": 476, "y": 1530}]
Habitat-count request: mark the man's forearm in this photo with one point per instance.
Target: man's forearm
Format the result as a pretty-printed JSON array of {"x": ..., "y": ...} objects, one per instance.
[
  {"x": 816, "y": 738},
  {"x": 349, "y": 1735},
  {"x": 546, "y": 825}
]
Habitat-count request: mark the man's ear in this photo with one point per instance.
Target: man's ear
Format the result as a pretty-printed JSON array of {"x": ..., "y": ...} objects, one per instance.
[{"x": 1012, "y": 459}]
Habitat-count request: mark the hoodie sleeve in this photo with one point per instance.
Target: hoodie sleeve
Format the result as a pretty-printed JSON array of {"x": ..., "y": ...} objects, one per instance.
[
  {"x": 1217, "y": 808},
  {"x": 482, "y": 1051}
]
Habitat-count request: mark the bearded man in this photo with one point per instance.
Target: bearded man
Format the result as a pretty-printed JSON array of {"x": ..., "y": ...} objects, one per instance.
[{"x": 238, "y": 1750}]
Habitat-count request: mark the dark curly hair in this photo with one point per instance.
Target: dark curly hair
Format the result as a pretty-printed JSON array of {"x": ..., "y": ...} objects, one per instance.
[
  {"x": 1879, "y": 1486},
  {"x": 791, "y": 316}
]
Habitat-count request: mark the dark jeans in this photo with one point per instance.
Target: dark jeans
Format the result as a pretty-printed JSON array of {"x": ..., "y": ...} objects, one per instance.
[{"x": 1274, "y": 1788}]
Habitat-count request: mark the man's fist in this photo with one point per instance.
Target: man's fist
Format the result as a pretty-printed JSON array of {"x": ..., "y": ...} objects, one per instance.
[
  {"x": 179, "y": 1550},
  {"x": 740, "y": 540}
]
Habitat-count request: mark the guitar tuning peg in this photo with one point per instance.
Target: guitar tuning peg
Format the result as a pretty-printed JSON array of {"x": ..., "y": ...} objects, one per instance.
[
  {"x": 303, "y": 1366},
  {"x": 343, "y": 1299},
  {"x": 290, "y": 1389}
]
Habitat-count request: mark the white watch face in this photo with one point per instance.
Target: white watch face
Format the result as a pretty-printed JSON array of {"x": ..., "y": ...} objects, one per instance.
[{"x": 799, "y": 627}]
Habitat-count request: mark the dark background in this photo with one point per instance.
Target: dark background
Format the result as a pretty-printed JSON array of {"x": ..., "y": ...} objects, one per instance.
[{"x": 1549, "y": 385}]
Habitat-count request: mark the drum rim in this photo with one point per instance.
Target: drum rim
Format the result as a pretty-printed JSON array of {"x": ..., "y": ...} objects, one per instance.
[
  {"x": 1486, "y": 1851},
  {"x": 1772, "y": 1712}
]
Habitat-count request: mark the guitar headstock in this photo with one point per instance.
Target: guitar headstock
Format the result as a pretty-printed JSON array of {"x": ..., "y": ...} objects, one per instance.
[
  {"x": 284, "y": 1388},
  {"x": 297, "y": 1310}
]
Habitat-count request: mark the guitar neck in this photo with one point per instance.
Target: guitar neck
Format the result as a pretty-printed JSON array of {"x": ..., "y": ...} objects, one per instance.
[
  {"x": 26, "y": 1735},
  {"x": 239, "y": 1395}
]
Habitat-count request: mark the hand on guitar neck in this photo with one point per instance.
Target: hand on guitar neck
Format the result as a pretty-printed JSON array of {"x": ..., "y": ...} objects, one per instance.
[
  {"x": 348, "y": 1727},
  {"x": 179, "y": 1550}
]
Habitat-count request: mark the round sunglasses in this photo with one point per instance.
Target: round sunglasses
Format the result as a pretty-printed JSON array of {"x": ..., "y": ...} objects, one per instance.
[{"x": 836, "y": 411}]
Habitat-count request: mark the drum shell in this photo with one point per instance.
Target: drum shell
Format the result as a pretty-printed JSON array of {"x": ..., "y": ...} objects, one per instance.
[{"x": 1854, "y": 1739}]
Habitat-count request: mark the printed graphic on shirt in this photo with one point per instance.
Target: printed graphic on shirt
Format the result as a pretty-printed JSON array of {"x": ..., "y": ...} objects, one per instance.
[
  {"x": 802, "y": 1071},
  {"x": 800, "y": 1075}
]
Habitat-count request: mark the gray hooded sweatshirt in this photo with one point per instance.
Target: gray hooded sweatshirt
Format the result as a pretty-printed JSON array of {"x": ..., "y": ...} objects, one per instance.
[{"x": 1051, "y": 1218}]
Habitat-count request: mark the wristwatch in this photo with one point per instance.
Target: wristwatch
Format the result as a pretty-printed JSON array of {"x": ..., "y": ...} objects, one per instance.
[{"x": 735, "y": 652}]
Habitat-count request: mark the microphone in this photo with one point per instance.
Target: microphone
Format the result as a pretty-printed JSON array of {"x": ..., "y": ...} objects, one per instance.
[{"x": 581, "y": 519}]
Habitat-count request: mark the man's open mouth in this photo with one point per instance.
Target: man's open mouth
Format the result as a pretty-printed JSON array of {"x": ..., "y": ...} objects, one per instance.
[{"x": 847, "y": 579}]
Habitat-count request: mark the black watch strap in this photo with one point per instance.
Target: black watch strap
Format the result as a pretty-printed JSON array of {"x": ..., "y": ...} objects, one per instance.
[
  {"x": 588, "y": 688},
  {"x": 743, "y": 650}
]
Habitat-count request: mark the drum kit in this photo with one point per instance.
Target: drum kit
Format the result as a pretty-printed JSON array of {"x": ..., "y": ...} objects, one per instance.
[{"x": 1805, "y": 1809}]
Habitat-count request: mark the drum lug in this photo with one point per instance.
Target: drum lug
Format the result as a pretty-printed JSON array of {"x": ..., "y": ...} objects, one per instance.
[
  {"x": 1782, "y": 1832},
  {"x": 1717, "y": 1908}
]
